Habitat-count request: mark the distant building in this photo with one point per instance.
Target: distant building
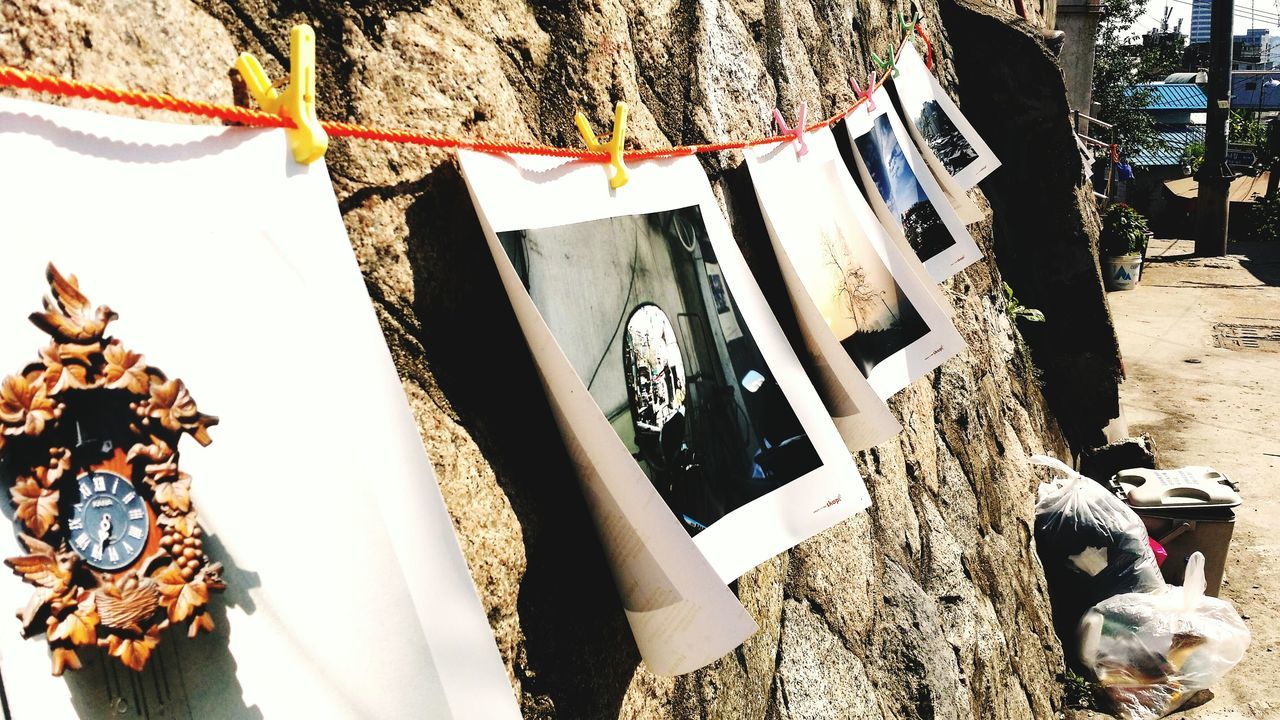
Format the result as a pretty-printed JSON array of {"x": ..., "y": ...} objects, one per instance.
[
  {"x": 1250, "y": 51},
  {"x": 1195, "y": 57},
  {"x": 1247, "y": 51},
  {"x": 1200, "y": 78},
  {"x": 1271, "y": 53},
  {"x": 1179, "y": 110},
  {"x": 1175, "y": 105},
  {"x": 1200, "y": 10},
  {"x": 1168, "y": 43},
  {"x": 1257, "y": 90},
  {"x": 1078, "y": 20}
]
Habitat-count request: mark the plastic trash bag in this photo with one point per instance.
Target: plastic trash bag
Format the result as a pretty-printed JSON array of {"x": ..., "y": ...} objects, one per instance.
[
  {"x": 1152, "y": 651},
  {"x": 1091, "y": 544}
]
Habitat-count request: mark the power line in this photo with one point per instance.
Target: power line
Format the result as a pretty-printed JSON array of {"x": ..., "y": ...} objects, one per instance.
[
  {"x": 1267, "y": 22},
  {"x": 1144, "y": 30},
  {"x": 1262, "y": 24},
  {"x": 1267, "y": 18}
]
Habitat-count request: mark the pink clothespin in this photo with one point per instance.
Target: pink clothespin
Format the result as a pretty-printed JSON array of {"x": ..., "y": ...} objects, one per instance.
[
  {"x": 796, "y": 132},
  {"x": 871, "y": 87}
]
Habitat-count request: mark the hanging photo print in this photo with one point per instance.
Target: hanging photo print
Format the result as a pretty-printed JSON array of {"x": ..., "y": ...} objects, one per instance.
[
  {"x": 904, "y": 194},
  {"x": 867, "y": 305},
  {"x": 963, "y": 205},
  {"x": 207, "y": 251},
  {"x": 670, "y": 377},
  {"x": 937, "y": 125},
  {"x": 957, "y": 197}
]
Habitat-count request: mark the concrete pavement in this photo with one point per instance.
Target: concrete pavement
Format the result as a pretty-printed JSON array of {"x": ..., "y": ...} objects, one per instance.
[{"x": 1201, "y": 344}]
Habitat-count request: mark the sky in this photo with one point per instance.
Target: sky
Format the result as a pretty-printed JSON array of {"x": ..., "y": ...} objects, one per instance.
[
  {"x": 888, "y": 167},
  {"x": 1264, "y": 17}
]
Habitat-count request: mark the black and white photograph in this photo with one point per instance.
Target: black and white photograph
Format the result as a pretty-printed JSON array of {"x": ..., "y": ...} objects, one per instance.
[
  {"x": 901, "y": 189},
  {"x": 936, "y": 124},
  {"x": 875, "y": 299},
  {"x": 697, "y": 433},
  {"x": 650, "y": 327},
  {"x": 943, "y": 138}
]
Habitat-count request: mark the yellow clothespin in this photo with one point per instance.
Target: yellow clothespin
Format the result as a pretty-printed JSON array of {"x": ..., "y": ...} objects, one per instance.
[
  {"x": 613, "y": 146},
  {"x": 298, "y": 101}
]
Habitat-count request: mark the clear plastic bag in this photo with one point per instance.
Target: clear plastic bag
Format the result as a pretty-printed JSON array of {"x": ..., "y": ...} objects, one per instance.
[
  {"x": 1153, "y": 651},
  {"x": 1091, "y": 544}
]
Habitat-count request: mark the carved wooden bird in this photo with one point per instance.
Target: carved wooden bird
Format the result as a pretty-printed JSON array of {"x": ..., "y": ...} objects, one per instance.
[
  {"x": 44, "y": 568},
  {"x": 68, "y": 316}
]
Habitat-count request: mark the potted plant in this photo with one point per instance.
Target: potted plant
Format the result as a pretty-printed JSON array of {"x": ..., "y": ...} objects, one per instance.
[{"x": 1123, "y": 244}]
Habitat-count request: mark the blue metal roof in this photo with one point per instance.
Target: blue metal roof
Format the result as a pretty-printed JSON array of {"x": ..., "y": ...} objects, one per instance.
[
  {"x": 1175, "y": 96},
  {"x": 1174, "y": 142}
]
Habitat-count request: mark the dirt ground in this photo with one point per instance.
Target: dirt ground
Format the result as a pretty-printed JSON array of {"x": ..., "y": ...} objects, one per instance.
[{"x": 1210, "y": 401}]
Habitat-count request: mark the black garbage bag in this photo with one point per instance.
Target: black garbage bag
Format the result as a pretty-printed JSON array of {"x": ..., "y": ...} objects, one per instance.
[{"x": 1092, "y": 546}]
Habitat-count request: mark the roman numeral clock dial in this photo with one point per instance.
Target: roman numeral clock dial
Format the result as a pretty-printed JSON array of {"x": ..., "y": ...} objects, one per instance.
[{"x": 109, "y": 523}]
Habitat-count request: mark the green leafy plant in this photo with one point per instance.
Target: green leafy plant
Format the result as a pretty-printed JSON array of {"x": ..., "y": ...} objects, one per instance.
[
  {"x": 1266, "y": 216},
  {"x": 1247, "y": 129},
  {"x": 1193, "y": 156},
  {"x": 1017, "y": 310},
  {"x": 1124, "y": 231},
  {"x": 1077, "y": 692},
  {"x": 1120, "y": 65}
]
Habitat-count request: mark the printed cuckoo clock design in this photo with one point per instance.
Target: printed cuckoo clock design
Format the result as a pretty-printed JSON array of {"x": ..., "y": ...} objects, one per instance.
[{"x": 89, "y": 447}]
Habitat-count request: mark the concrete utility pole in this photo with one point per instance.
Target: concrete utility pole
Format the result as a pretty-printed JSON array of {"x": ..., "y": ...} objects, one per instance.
[{"x": 1215, "y": 176}]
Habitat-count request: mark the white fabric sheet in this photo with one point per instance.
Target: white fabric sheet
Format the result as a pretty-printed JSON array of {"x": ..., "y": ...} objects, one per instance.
[{"x": 230, "y": 268}]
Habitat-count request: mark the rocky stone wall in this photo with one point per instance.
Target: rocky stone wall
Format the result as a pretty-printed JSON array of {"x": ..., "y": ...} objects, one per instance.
[
  {"x": 1045, "y": 219},
  {"x": 930, "y": 605}
]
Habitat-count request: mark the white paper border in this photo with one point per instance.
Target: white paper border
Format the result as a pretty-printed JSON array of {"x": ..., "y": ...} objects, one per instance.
[
  {"x": 964, "y": 252},
  {"x": 525, "y": 193},
  {"x": 915, "y": 85},
  {"x": 65, "y": 197},
  {"x": 777, "y": 174}
]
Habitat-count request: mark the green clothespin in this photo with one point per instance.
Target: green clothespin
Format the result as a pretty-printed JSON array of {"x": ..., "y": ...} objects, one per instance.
[
  {"x": 908, "y": 28},
  {"x": 891, "y": 65}
]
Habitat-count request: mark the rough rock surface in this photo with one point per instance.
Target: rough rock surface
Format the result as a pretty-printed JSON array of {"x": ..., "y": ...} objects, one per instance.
[
  {"x": 1046, "y": 223},
  {"x": 1132, "y": 452},
  {"x": 930, "y": 605}
]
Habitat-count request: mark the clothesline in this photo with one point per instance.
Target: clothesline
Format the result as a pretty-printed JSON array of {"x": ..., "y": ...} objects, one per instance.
[{"x": 66, "y": 87}]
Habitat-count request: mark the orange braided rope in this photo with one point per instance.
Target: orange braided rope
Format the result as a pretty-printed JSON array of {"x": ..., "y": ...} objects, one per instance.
[{"x": 55, "y": 85}]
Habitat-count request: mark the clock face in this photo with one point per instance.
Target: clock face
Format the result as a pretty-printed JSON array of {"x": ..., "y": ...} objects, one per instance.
[{"x": 108, "y": 527}]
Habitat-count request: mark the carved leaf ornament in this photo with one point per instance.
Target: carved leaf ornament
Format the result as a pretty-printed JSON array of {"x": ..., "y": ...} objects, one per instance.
[{"x": 90, "y": 425}]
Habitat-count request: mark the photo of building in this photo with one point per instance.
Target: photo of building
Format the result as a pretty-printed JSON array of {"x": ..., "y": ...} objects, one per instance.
[{"x": 650, "y": 326}]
